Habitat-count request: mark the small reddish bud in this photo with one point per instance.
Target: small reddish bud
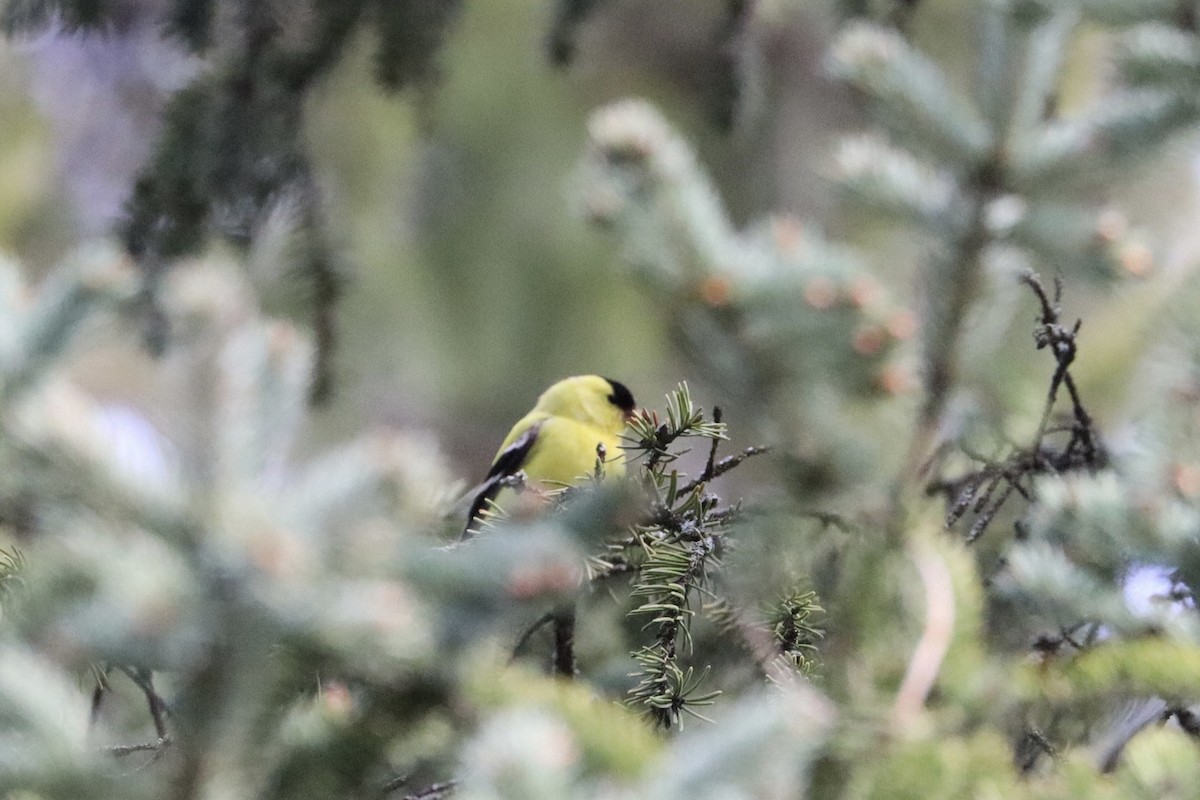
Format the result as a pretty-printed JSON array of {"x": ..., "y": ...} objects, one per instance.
[
  {"x": 528, "y": 582},
  {"x": 337, "y": 700},
  {"x": 869, "y": 340},
  {"x": 895, "y": 379},
  {"x": 1111, "y": 225},
  {"x": 1186, "y": 478},
  {"x": 864, "y": 292},
  {"x": 902, "y": 325},
  {"x": 1136, "y": 259},
  {"x": 820, "y": 293},
  {"x": 714, "y": 291},
  {"x": 788, "y": 233}
]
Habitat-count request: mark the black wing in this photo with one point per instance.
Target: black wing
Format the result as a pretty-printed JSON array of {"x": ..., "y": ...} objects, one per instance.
[{"x": 508, "y": 462}]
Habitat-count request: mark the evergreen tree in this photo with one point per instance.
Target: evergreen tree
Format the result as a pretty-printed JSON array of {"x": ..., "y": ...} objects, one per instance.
[{"x": 944, "y": 595}]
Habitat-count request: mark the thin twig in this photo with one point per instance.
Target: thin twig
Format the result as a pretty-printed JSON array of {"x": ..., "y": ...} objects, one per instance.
[
  {"x": 986, "y": 490},
  {"x": 1033, "y": 745},
  {"x": 530, "y": 631},
  {"x": 941, "y": 351},
  {"x": 144, "y": 680},
  {"x": 121, "y": 750},
  {"x": 721, "y": 467},
  {"x": 709, "y": 466},
  {"x": 99, "y": 692},
  {"x": 394, "y": 784},
  {"x": 434, "y": 791},
  {"x": 564, "y": 641}
]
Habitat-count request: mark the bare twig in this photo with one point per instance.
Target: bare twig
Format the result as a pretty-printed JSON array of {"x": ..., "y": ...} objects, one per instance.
[
  {"x": 530, "y": 631},
  {"x": 434, "y": 791},
  {"x": 1032, "y": 746},
  {"x": 144, "y": 680},
  {"x": 959, "y": 273},
  {"x": 985, "y": 490},
  {"x": 709, "y": 466},
  {"x": 395, "y": 783},
  {"x": 121, "y": 750},
  {"x": 98, "y": 693},
  {"x": 721, "y": 467}
]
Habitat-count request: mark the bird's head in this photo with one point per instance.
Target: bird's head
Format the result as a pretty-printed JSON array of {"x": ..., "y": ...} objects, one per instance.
[{"x": 591, "y": 399}]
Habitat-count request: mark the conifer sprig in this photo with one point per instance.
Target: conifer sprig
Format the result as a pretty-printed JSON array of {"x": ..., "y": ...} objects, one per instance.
[
  {"x": 653, "y": 436},
  {"x": 793, "y": 623},
  {"x": 12, "y": 568},
  {"x": 670, "y": 554}
]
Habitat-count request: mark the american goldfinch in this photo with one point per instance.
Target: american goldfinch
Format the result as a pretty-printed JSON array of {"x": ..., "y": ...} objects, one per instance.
[{"x": 556, "y": 443}]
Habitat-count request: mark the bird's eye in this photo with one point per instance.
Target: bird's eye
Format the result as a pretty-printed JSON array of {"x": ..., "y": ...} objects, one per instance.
[{"x": 621, "y": 397}]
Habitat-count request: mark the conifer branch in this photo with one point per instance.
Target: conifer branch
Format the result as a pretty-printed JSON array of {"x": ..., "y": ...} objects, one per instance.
[
  {"x": 984, "y": 491},
  {"x": 668, "y": 555}
]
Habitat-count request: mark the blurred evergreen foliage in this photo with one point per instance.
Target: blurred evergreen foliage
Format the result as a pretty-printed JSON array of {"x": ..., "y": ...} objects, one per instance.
[
  {"x": 231, "y": 146},
  {"x": 963, "y": 569}
]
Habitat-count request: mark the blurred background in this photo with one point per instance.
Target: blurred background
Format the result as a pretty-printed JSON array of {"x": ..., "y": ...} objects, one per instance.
[
  {"x": 473, "y": 280},
  {"x": 494, "y": 232}
]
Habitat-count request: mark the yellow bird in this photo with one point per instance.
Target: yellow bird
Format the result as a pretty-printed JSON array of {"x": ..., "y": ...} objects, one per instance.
[{"x": 555, "y": 444}]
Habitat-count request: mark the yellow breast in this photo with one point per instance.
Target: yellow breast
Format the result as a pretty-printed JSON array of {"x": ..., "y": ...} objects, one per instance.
[{"x": 565, "y": 452}]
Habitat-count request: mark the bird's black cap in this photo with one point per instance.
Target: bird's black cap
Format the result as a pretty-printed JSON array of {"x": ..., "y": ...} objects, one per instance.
[{"x": 621, "y": 397}]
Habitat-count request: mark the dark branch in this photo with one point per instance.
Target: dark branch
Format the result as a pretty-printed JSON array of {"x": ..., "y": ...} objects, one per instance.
[
  {"x": 985, "y": 490},
  {"x": 564, "y": 642},
  {"x": 144, "y": 680},
  {"x": 530, "y": 631},
  {"x": 721, "y": 467},
  {"x": 434, "y": 791}
]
